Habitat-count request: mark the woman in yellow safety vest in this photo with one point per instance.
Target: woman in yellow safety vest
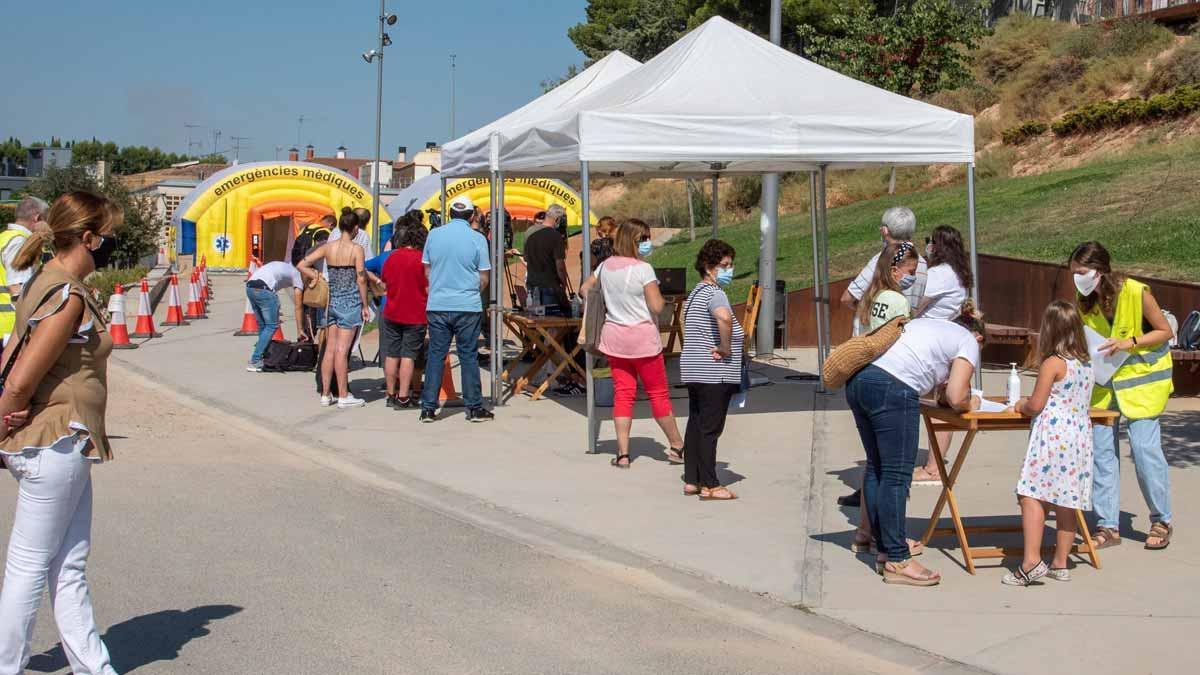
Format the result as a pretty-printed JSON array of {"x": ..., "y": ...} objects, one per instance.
[{"x": 1125, "y": 313}]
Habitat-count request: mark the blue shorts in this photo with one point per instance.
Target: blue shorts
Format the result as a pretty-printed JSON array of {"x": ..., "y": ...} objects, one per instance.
[{"x": 345, "y": 312}]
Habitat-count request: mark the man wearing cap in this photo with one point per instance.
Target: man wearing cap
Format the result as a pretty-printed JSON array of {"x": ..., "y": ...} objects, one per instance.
[{"x": 456, "y": 262}]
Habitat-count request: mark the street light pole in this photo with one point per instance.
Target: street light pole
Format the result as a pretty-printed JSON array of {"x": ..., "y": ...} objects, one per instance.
[
  {"x": 453, "y": 93},
  {"x": 378, "y": 126}
]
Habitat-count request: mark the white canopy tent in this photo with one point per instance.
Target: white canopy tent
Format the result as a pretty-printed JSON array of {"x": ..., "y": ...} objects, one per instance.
[{"x": 722, "y": 100}]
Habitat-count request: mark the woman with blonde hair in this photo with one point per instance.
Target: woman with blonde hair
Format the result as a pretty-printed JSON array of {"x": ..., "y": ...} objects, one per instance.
[
  {"x": 56, "y": 362},
  {"x": 631, "y": 339}
]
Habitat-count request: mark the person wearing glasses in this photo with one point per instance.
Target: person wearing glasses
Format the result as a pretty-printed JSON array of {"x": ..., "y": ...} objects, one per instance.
[{"x": 631, "y": 339}]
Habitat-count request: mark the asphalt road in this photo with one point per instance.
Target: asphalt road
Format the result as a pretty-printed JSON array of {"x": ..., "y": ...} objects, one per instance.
[{"x": 220, "y": 551}]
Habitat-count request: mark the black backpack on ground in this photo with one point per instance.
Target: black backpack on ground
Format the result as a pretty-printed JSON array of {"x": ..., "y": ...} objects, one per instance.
[
  {"x": 285, "y": 356},
  {"x": 1189, "y": 331}
]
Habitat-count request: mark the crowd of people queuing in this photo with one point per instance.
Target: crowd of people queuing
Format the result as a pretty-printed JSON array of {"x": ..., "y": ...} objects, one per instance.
[{"x": 1071, "y": 464}]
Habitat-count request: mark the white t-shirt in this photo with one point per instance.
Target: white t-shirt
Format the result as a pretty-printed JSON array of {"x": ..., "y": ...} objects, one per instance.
[
  {"x": 623, "y": 283},
  {"x": 12, "y": 276},
  {"x": 278, "y": 275},
  {"x": 921, "y": 358},
  {"x": 946, "y": 291},
  {"x": 362, "y": 239}
]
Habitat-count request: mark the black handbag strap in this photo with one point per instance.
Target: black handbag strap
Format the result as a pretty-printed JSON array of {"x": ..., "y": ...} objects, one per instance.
[{"x": 12, "y": 360}]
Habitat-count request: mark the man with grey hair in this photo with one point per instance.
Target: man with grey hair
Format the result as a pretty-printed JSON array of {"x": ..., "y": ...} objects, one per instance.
[
  {"x": 899, "y": 224},
  {"x": 30, "y": 212},
  {"x": 546, "y": 258}
]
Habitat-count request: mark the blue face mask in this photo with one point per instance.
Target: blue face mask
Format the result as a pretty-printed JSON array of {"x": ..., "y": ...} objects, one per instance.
[
  {"x": 724, "y": 275},
  {"x": 645, "y": 248},
  {"x": 907, "y": 281}
]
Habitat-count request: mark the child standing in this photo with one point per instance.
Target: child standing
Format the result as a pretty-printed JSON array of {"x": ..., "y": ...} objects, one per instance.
[{"x": 1058, "y": 464}]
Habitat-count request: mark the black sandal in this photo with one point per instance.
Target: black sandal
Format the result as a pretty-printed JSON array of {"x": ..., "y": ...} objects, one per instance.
[
  {"x": 675, "y": 455},
  {"x": 616, "y": 461}
]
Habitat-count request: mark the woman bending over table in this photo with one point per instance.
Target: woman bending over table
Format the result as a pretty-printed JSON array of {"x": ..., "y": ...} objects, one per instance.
[{"x": 885, "y": 400}]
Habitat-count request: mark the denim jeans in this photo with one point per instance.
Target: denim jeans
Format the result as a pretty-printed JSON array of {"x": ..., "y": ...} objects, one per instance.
[
  {"x": 888, "y": 415},
  {"x": 48, "y": 551},
  {"x": 265, "y": 305},
  {"x": 1145, "y": 441},
  {"x": 464, "y": 328}
]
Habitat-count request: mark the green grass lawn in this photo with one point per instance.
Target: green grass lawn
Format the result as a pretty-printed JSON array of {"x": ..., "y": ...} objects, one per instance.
[{"x": 1144, "y": 206}]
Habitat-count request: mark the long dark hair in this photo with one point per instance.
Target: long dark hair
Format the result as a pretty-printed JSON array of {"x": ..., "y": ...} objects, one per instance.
[
  {"x": 948, "y": 248},
  {"x": 1093, "y": 255},
  {"x": 348, "y": 221}
]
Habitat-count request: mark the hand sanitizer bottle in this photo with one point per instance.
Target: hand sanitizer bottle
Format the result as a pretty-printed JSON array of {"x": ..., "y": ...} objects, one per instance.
[{"x": 1014, "y": 385}]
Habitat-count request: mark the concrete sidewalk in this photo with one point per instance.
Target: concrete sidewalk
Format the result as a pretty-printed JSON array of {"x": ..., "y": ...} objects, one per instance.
[{"x": 789, "y": 454}]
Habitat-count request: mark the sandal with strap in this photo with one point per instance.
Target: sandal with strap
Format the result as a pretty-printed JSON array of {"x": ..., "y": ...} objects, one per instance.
[
  {"x": 862, "y": 544},
  {"x": 1162, "y": 532},
  {"x": 1105, "y": 537},
  {"x": 690, "y": 490},
  {"x": 616, "y": 461},
  {"x": 675, "y": 455},
  {"x": 717, "y": 494},
  {"x": 893, "y": 574}
]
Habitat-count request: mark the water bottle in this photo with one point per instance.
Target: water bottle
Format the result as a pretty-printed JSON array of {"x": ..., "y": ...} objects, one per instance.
[{"x": 1014, "y": 385}]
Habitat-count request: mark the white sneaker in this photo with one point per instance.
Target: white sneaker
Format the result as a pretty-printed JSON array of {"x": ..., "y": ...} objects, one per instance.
[
  {"x": 350, "y": 402},
  {"x": 326, "y": 401},
  {"x": 1059, "y": 574}
]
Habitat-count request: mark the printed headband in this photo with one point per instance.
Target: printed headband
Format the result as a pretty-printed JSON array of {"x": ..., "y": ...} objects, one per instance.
[{"x": 902, "y": 251}]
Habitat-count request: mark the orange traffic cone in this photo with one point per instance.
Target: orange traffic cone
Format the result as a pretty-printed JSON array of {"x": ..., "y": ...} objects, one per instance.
[
  {"x": 249, "y": 322},
  {"x": 447, "y": 393},
  {"x": 116, "y": 323},
  {"x": 174, "y": 309},
  {"x": 278, "y": 336},
  {"x": 195, "y": 308},
  {"x": 204, "y": 287},
  {"x": 144, "y": 328}
]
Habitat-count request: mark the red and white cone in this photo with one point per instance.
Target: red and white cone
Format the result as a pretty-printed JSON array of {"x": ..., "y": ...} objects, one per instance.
[
  {"x": 249, "y": 322},
  {"x": 278, "y": 336},
  {"x": 195, "y": 308},
  {"x": 205, "y": 287},
  {"x": 174, "y": 309},
  {"x": 116, "y": 322},
  {"x": 144, "y": 328}
]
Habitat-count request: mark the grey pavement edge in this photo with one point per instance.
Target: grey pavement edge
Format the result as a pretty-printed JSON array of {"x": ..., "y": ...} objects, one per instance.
[{"x": 754, "y": 612}]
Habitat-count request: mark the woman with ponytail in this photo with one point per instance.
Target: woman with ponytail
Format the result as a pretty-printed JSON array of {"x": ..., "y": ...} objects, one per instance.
[{"x": 56, "y": 361}]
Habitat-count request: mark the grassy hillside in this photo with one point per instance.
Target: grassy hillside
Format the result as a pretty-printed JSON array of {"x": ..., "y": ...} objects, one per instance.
[{"x": 1145, "y": 206}]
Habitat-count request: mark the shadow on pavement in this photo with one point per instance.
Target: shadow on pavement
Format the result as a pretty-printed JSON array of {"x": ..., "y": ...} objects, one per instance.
[
  {"x": 1181, "y": 438},
  {"x": 145, "y": 639}
]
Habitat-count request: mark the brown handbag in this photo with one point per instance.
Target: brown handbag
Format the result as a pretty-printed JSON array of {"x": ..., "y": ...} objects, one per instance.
[
  {"x": 316, "y": 293},
  {"x": 859, "y": 352}
]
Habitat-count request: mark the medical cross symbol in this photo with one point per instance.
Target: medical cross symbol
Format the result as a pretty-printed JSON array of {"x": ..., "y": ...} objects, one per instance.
[{"x": 222, "y": 244}]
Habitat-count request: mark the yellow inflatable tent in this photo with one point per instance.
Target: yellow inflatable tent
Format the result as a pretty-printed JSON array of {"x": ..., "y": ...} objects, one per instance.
[{"x": 255, "y": 210}]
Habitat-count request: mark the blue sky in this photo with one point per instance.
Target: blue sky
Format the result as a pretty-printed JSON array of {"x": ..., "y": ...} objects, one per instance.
[{"x": 135, "y": 71}]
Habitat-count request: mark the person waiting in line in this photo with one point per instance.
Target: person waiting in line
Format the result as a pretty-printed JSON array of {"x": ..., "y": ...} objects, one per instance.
[
  {"x": 262, "y": 290},
  {"x": 602, "y": 246},
  {"x": 711, "y": 365},
  {"x": 948, "y": 286},
  {"x": 361, "y": 236},
  {"x": 931, "y": 356},
  {"x": 347, "y": 306},
  {"x": 53, "y": 431},
  {"x": 308, "y": 236},
  {"x": 899, "y": 225},
  {"x": 404, "y": 315},
  {"x": 1124, "y": 312},
  {"x": 29, "y": 213},
  {"x": 1057, "y": 472},
  {"x": 631, "y": 339},
  {"x": 545, "y": 255},
  {"x": 456, "y": 261},
  {"x": 374, "y": 268}
]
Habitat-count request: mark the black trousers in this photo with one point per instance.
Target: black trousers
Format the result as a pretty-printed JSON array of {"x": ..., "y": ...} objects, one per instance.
[{"x": 708, "y": 404}]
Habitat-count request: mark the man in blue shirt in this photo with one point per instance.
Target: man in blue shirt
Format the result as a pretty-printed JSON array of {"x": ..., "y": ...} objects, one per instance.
[{"x": 456, "y": 262}]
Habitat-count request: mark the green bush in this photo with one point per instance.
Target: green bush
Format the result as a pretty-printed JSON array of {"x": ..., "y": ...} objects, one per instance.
[
  {"x": 1015, "y": 42},
  {"x": 1181, "y": 68},
  {"x": 1106, "y": 114},
  {"x": 105, "y": 279},
  {"x": 1124, "y": 38},
  {"x": 8, "y": 214},
  {"x": 1023, "y": 132}
]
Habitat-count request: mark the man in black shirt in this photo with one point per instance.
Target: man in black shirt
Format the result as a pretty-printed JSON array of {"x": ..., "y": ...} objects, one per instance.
[{"x": 546, "y": 259}]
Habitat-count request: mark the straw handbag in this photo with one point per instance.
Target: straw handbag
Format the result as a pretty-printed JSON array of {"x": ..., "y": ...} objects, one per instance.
[
  {"x": 316, "y": 293},
  {"x": 858, "y": 352}
]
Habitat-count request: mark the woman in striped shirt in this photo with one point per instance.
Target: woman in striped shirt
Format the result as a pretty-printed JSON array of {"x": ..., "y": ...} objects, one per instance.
[{"x": 711, "y": 367}]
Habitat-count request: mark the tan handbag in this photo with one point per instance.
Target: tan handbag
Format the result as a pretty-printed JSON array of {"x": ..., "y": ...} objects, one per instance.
[
  {"x": 859, "y": 352},
  {"x": 316, "y": 293},
  {"x": 594, "y": 314}
]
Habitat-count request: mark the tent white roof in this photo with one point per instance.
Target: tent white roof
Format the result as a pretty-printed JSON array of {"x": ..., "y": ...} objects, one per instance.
[
  {"x": 723, "y": 99},
  {"x": 469, "y": 155}
]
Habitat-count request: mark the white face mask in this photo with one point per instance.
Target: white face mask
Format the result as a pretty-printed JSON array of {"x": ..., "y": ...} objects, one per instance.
[{"x": 1086, "y": 283}]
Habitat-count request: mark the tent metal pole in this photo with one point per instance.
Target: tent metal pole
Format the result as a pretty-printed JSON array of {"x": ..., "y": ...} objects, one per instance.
[
  {"x": 585, "y": 198},
  {"x": 816, "y": 276},
  {"x": 827, "y": 346},
  {"x": 769, "y": 233},
  {"x": 715, "y": 206},
  {"x": 493, "y": 296},
  {"x": 974, "y": 251},
  {"x": 444, "y": 206}
]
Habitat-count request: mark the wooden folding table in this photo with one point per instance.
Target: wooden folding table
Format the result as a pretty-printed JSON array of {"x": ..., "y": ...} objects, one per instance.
[
  {"x": 541, "y": 336},
  {"x": 938, "y": 418}
]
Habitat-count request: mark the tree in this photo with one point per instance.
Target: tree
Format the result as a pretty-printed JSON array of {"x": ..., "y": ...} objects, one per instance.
[
  {"x": 919, "y": 51},
  {"x": 136, "y": 238},
  {"x": 639, "y": 28},
  {"x": 550, "y": 83},
  {"x": 755, "y": 16}
]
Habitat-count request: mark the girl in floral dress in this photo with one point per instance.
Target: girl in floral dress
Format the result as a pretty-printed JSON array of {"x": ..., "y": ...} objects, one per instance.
[{"x": 1058, "y": 464}]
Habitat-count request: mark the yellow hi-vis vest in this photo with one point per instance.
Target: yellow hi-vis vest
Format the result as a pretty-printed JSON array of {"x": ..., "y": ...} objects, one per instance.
[
  {"x": 1143, "y": 383},
  {"x": 8, "y": 313}
]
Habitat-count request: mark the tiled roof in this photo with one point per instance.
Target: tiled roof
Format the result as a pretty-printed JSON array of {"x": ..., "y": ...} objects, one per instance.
[{"x": 141, "y": 181}]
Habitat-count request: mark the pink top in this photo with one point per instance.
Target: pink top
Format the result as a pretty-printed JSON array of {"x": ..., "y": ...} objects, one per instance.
[{"x": 629, "y": 329}]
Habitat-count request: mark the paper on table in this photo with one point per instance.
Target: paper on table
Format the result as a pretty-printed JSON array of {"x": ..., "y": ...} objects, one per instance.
[
  {"x": 1103, "y": 367},
  {"x": 988, "y": 406}
]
